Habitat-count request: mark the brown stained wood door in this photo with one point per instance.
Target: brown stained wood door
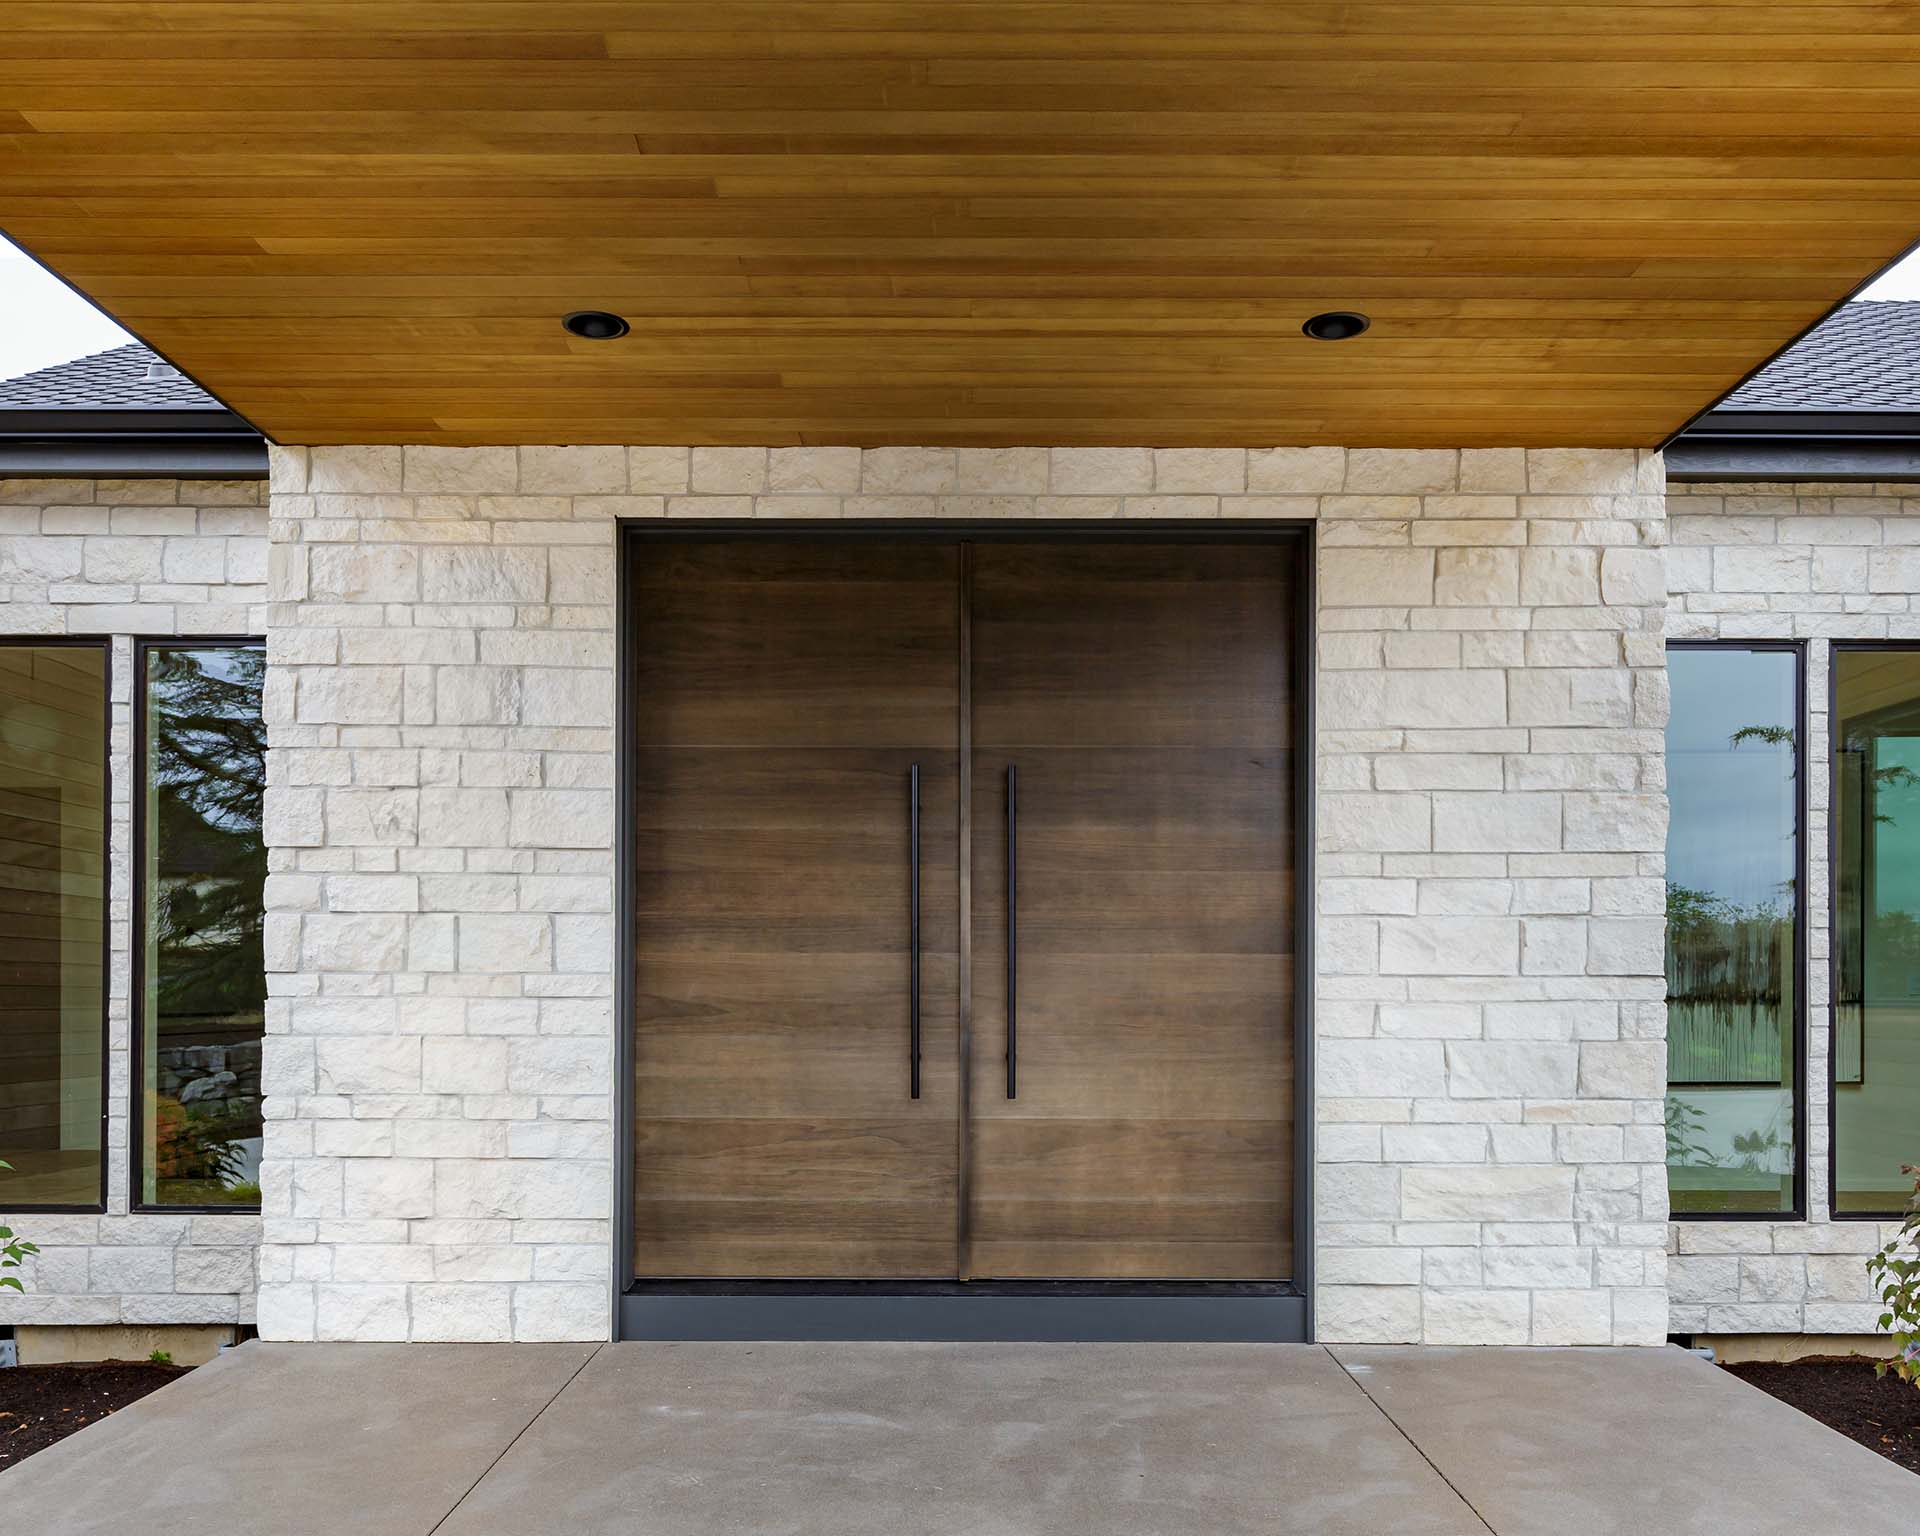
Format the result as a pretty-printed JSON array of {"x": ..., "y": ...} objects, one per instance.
[
  {"x": 782, "y": 693},
  {"x": 1142, "y": 693}
]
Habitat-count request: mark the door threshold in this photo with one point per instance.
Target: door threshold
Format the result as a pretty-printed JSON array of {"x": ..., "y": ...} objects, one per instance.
[{"x": 966, "y": 1312}]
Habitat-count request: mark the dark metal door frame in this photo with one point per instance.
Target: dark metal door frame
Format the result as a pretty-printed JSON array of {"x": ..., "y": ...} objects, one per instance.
[{"x": 1017, "y": 1311}]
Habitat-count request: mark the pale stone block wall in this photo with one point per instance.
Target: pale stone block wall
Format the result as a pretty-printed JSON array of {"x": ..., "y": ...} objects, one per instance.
[
  {"x": 1814, "y": 562},
  {"x": 1488, "y": 780},
  {"x": 1492, "y": 830},
  {"x": 1492, "y": 834},
  {"x": 121, "y": 558},
  {"x": 440, "y": 813}
]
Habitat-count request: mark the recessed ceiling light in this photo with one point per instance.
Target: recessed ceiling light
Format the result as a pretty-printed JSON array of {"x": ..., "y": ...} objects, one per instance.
[
  {"x": 1336, "y": 325},
  {"x": 595, "y": 325}
]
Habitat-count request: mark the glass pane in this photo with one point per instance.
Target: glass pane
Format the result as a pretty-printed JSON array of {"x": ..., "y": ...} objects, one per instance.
[
  {"x": 1876, "y": 1013},
  {"x": 204, "y": 1002},
  {"x": 53, "y": 911},
  {"x": 1732, "y": 987}
]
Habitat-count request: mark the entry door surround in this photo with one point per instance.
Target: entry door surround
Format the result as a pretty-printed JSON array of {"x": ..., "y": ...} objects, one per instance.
[{"x": 1120, "y": 716}]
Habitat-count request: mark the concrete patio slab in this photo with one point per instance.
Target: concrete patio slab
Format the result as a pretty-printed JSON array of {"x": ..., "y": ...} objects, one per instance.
[
  {"x": 296, "y": 1440},
  {"x": 1619, "y": 1442},
  {"x": 962, "y": 1440},
  {"x": 741, "y": 1439}
]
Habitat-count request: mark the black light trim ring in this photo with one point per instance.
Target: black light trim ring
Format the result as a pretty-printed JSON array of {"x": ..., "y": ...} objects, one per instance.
[
  {"x": 595, "y": 325},
  {"x": 1336, "y": 325}
]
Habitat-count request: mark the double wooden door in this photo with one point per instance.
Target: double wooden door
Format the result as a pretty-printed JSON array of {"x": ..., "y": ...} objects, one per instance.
[{"x": 963, "y": 880}]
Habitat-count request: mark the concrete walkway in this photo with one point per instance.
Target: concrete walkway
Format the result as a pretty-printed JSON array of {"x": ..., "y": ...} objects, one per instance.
[{"x": 955, "y": 1440}]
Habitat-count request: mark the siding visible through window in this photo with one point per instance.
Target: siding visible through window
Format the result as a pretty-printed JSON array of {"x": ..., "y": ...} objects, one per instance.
[
  {"x": 1876, "y": 1015},
  {"x": 53, "y": 922}
]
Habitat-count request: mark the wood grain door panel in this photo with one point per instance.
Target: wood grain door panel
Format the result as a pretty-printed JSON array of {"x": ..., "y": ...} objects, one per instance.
[
  {"x": 1142, "y": 693},
  {"x": 783, "y": 693},
  {"x": 1130, "y": 645}
]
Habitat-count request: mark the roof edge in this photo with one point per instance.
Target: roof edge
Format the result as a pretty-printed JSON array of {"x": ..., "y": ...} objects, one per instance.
[
  {"x": 1803, "y": 422},
  {"x": 146, "y": 442},
  {"x": 1698, "y": 457},
  {"x": 22, "y": 421}
]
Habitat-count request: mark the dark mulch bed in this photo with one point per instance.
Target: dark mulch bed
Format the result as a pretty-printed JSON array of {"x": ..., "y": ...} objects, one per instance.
[
  {"x": 40, "y": 1404},
  {"x": 1883, "y": 1413}
]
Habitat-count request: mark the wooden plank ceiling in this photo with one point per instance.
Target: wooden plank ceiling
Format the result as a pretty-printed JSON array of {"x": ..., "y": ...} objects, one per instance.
[{"x": 1041, "y": 221}]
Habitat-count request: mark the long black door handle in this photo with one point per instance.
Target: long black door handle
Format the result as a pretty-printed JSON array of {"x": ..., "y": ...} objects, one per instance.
[
  {"x": 913, "y": 932},
  {"x": 1013, "y": 928}
]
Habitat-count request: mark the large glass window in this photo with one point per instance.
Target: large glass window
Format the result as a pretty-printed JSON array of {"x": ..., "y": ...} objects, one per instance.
[
  {"x": 1733, "y": 985},
  {"x": 53, "y": 920},
  {"x": 202, "y": 972},
  {"x": 1876, "y": 938}
]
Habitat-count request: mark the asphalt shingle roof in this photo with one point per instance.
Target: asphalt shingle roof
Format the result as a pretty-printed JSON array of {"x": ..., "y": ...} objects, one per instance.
[
  {"x": 1863, "y": 357},
  {"x": 114, "y": 380}
]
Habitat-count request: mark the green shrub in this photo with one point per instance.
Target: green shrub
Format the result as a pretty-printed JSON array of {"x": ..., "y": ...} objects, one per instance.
[
  {"x": 159, "y": 1357},
  {"x": 13, "y": 1250},
  {"x": 1896, "y": 1275}
]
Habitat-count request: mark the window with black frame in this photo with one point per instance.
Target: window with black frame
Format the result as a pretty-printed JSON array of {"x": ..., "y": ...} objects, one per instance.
[
  {"x": 1876, "y": 937},
  {"x": 53, "y": 922},
  {"x": 202, "y": 971},
  {"x": 1733, "y": 953}
]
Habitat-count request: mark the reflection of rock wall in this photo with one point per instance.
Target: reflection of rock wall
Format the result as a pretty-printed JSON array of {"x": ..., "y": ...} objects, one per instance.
[{"x": 192, "y": 1073}]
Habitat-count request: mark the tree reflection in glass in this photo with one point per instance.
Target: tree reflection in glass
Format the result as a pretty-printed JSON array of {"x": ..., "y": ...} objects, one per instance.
[
  {"x": 204, "y": 969},
  {"x": 1732, "y": 971}
]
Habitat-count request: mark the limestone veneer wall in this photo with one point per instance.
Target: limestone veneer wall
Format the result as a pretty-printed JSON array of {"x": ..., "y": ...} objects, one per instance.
[
  {"x": 1492, "y": 833},
  {"x": 1813, "y": 562},
  {"x": 121, "y": 558},
  {"x": 440, "y": 809}
]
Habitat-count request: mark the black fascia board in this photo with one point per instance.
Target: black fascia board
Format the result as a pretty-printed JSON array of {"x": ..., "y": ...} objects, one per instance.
[
  {"x": 1798, "y": 445},
  {"x": 131, "y": 442}
]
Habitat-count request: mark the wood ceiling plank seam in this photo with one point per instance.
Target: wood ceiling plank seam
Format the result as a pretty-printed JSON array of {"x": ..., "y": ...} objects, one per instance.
[{"x": 1039, "y": 175}]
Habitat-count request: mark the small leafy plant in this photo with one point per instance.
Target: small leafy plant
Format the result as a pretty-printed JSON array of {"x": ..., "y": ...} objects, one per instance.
[
  {"x": 1896, "y": 1275},
  {"x": 159, "y": 1357},
  {"x": 13, "y": 1250}
]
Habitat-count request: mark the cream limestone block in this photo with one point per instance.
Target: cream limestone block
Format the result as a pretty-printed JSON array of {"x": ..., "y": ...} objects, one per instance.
[
  {"x": 459, "y": 470},
  {"x": 573, "y": 470},
  {"x": 1582, "y": 471},
  {"x": 1296, "y": 471},
  {"x": 658, "y": 471},
  {"x": 828, "y": 471},
  {"x": 353, "y": 469},
  {"x": 1372, "y": 577},
  {"x": 1414, "y": 471},
  {"x": 1100, "y": 471},
  {"x": 728, "y": 471},
  {"x": 1493, "y": 470},
  {"x": 1001, "y": 471},
  {"x": 1367, "y": 1314},
  {"x": 907, "y": 471},
  {"x": 1221, "y": 471}
]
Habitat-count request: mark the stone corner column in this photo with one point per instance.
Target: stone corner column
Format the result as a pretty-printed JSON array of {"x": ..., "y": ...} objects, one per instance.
[{"x": 1491, "y": 899}]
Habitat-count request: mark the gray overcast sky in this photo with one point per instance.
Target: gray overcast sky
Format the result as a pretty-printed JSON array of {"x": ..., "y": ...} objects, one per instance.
[
  {"x": 1902, "y": 282},
  {"x": 42, "y": 321}
]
